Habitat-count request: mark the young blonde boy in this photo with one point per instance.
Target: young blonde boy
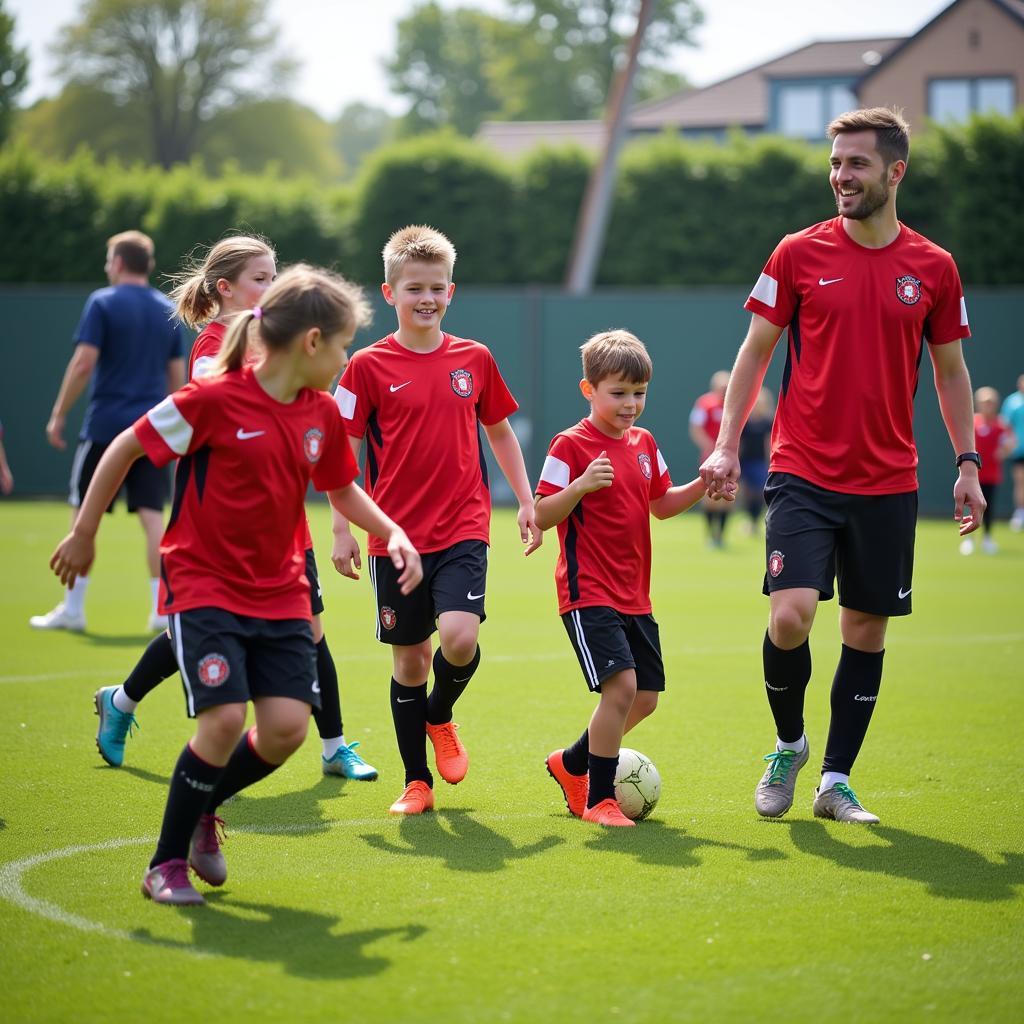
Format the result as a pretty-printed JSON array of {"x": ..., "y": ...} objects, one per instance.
[
  {"x": 602, "y": 481},
  {"x": 418, "y": 397}
]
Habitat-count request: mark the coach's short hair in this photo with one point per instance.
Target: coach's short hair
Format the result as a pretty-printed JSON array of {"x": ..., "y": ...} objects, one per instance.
[
  {"x": 417, "y": 242},
  {"x": 616, "y": 353},
  {"x": 892, "y": 132},
  {"x": 135, "y": 249}
]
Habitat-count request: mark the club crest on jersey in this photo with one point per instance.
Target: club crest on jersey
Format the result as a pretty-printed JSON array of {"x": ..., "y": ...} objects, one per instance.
[
  {"x": 388, "y": 617},
  {"x": 313, "y": 444},
  {"x": 908, "y": 289},
  {"x": 462, "y": 383},
  {"x": 645, "y": 464},
  {"x": 213, "y": 670},
  {"x": 776, "y": 563}
]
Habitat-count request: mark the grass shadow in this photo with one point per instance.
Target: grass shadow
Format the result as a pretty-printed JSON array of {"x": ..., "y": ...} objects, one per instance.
[
  {"x": 139, "y": 773},
  {"x": 139, "y": 640},
  {"x": 296, "y": 807},
  {"x": 306, "y": 944},
  {"x": 948, "y": 870},
  {"x": 458, "y": 839}
]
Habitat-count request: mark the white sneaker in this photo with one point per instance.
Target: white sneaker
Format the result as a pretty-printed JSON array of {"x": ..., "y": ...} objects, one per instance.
[
  {"x": 157, "y": 623},
  {"x": 59, "y": 618},
  {"x": 989, "y": 546},
  {"x": 967, "y": 546},
  {"x": 1017, "y": 520}
]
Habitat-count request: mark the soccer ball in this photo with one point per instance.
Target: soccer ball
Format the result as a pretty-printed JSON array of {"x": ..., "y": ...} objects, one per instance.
[{"x": 637, "y": 784}]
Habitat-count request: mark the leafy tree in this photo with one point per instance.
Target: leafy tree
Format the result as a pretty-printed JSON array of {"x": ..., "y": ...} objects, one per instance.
[
  {"x": 13, "y": 72},
  {"x": 183, "y": 59},
  {"x": 359, "y": 130}
]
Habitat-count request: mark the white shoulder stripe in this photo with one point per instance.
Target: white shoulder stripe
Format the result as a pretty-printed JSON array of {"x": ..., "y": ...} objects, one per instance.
[
  {"x": 963, "y": 312},
  {"x": 171, "y": 425},
  {"x": 346, "y": 401},
  {"x": 766, "y": 290},
  {"x": 662, "y": 464},
  {"x": 202, "y": 366},
  {"x": 555, "y": 472}
]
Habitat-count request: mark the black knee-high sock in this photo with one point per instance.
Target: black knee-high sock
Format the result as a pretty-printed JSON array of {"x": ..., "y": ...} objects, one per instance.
[
  {"x": 192, "y": 783},
  {"x": 449, "y": 682},
  {"x": 576, "y": 757},
  {"x": 786, "y": 675},
  {"x": 855, "y": 689},
  {"x": 602, "y": 778},
  {"x": 328, "y": 718},
  {"x": 244, "y": 768},
  {"x": 409, "y": 711},
  {"x": 155, "y": 665}
]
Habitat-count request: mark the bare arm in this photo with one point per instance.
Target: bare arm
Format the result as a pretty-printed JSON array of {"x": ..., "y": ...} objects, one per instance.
[
  {"x": 175, "y": 375},
  {"x": 553, "y": 508},
  {"x": 345, "y": 551},
  {"x": 721, "y": 469},
  {"x": 701, "y": 439},
  {"x": 505, "y": 446},
  {"x": 76, "y": 377},
  {"x": 953, "y": 388},
  {"x": 678, "y": 499},
  {"x": 76, "y": 551}
]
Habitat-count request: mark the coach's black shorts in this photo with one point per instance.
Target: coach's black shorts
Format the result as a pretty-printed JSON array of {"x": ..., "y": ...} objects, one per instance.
[
  {"x": 229, "y": 659},
  {"x": 454, "y": 580},
  {"x": 145, "y": 486},
  {"x": 813, "y": 536},
  {"x": 606, "y": 642},
  {"x": 316, "y": 595}
]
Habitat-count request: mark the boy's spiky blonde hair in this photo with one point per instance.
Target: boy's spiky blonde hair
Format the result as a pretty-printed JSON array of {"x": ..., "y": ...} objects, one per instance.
[
  {"x": 616, "y": 353},
  {"x": 417, "y": 242}
]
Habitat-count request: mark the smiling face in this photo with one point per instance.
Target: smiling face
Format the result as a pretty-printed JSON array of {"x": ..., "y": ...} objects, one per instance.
[
  {"x": 615, "y": 403},
  {"x": 861, "y": 182},
  {"x": 420, "y": 294}
]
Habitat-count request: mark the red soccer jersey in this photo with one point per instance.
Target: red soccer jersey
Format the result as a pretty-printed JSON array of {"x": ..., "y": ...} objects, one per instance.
[
  {"x": 858, "y": 319},
  {"x": 205, "y": 350},
  {"x": 421, "y": 413},
  {"x": 988, "y": 436},
  {"x": 707, "y": 414},
  {"x": 604, "y": 555},
  {"x": 233, "y": 541}
]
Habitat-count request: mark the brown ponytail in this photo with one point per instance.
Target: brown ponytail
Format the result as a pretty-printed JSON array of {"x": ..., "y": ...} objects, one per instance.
[{"x": 232, "y": 352}]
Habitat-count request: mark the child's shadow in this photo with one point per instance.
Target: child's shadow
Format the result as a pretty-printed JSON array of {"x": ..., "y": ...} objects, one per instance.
[
  {"x": 949, "y": 870},
  {"x": 464, "y": 845},
  {"x": 296, "y": 808},
  {"x": 654, "y": 842},
  {"x": 305, "y": 943}
]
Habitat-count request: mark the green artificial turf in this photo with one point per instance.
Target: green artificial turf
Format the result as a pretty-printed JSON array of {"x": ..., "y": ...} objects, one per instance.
[{"x": 500, "y": 907}]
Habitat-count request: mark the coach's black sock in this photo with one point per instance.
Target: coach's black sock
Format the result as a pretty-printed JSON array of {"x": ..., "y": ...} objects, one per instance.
[
  {"x": 855, "y": 689},
  {"x": 786, "y": 675},
  {"x": 328, "y": 718},
  {"x": 449, "y": 682},
  {"x": 409, "y": 711},
  {"x": 155, "y": 665},
  {"x": 244, "y": 768},
  {"x": 576, "y": 758},
  {"x": 191, "y": 785},
  {"x": 602, "y": 778}
]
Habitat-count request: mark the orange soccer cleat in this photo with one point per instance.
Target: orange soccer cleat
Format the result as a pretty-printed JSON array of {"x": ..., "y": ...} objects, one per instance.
[
  {"x": 449, "y": 753},
  {"x": 415, "y": 799},
  {"x": 607, "y": 812},
  {"x": 574, "y": 787}
]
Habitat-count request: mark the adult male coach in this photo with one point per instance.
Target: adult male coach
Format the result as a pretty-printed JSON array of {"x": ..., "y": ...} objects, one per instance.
[
  {"x": 861, "y": 294},
  {"x": 128, "y": 343}
]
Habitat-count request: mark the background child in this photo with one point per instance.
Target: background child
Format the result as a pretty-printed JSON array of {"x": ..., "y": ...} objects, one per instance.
[
  {"x": 755, "y": 447},
  {"x": 212, "y": 292},
  {"x": 601, "y": 482},
  {"x": 993, "y": 441},
  {"x": 250, "y": 442},
  {"x": 1013, "y": 412},
  {"x": 420, "y": 396}
]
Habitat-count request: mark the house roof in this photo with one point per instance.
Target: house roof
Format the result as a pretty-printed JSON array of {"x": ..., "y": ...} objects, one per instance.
[{"x": 743, "y": 98}]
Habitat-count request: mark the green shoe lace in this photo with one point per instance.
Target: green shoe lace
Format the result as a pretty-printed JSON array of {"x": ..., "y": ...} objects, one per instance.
[
  {"x": 781, "y": 762},
  {"x": 848, "y": 794}
]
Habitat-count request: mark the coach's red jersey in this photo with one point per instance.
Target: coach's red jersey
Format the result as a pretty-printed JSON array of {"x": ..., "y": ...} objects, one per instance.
[
  {"x": 604, "y": 544},
  {"x": 858, "y": 319},
  {"x": 233, "y": 540},
  {"x": 205, "y": 350},
  {"x": 988, "y": 436},
  {"x": 421, "y": 415}
]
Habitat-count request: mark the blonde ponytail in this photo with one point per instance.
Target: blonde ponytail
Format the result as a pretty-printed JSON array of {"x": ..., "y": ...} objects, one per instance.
[{"x": 232, "y": 352}]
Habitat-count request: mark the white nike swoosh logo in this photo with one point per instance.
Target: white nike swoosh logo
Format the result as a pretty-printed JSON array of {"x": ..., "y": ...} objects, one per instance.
[
  {"x": 904, "y": 593},
  {"x": 244, "y": 435},
  {"x": 316, "y": 687},
  {"x": 398, "y": 387},
  {"x": 831, "y": 280},
  {"x": 408, "y": 700},
  {"x": 473, "y": 597}
]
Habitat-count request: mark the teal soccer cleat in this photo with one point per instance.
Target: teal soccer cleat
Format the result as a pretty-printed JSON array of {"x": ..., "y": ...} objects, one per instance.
[
  {"x": 114, "y": 727},
  {"x": 348, "y": 763}
]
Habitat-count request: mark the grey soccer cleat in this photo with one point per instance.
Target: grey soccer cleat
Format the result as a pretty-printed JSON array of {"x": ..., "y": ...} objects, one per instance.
[
  {"x": 774, "y": 793},
  {"x": 840, "y": 803}
]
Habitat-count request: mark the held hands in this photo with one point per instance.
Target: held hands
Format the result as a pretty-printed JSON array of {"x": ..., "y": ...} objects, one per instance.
[
  {"x": 73, "y": 557},
  {"x": 345, "y": 554},
  {"x": 720, "y": 471},
  {"x": 405, "y": 556},
  {"x": 968, "y": 502},
  {"x": 600, "y": 473},
  {"x": 529, "y": 532}
]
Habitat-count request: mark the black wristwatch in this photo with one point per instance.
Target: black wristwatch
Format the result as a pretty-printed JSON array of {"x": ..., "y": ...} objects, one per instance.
[{"x": 969, "y": 457}]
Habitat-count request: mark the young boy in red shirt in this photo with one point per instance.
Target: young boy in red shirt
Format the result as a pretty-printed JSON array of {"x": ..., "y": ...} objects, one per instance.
[{"x": 993, "y": 441}]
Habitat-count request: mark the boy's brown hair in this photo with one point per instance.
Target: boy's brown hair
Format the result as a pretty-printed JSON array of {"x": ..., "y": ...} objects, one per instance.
[
  {"x": 616, "y": 353},
  {"x": 892, "y": 131},
  {"x": 135, "y": 249},
  {"x": 417, "y": 242}
]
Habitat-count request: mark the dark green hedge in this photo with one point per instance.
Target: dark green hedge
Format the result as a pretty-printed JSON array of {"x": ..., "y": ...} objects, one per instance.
[{"x": 685, "y": 212}]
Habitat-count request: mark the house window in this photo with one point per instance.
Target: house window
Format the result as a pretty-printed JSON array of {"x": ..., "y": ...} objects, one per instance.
[
  {"x": 806, "y": 109},
  {"x": 955, "y": 99}
]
